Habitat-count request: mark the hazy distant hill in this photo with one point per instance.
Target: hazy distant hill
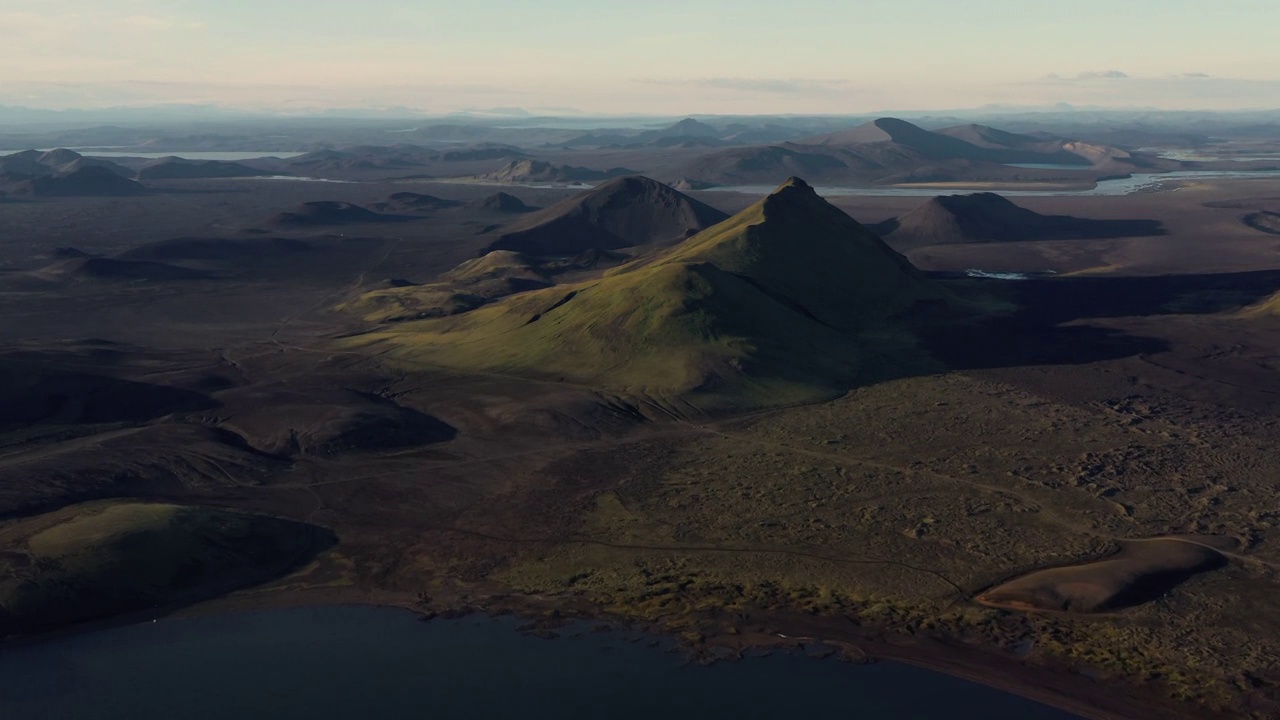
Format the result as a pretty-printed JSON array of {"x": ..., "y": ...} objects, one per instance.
[
  {"x": 414, "y": 202},
  {"x": 176, "y": 168},
  {"x": 992, "y": 146},
  {"x": 541, "y": 171},
  {"x": 889, "y": 150}
]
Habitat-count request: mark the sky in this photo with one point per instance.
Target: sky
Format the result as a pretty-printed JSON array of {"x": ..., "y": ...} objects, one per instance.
[{"x": 658, "y": 57}]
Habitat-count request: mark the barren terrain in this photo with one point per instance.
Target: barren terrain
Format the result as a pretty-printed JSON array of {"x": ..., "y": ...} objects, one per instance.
[{"x": 1049, "y": 427}]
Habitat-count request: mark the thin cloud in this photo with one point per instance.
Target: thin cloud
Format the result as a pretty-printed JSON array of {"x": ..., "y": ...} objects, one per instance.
[
  {"x": 1192, "y": 90},
  {"x": 1103, "y": 75},
  {"x": 754, "y": 85}
]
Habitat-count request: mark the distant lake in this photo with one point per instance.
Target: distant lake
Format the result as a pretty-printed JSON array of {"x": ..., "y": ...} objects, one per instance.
[
  {"x": 354, "y": 663},
  {"x": 1189, "y": 156},
  {"x": 184, "y": 154},
  {"x": 1048, "y": 166},
  {"x": 1119, "y": 186}
]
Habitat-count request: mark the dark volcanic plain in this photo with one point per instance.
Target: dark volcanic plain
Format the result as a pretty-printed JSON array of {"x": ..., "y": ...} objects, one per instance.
[{"x": 496, "y": 393}]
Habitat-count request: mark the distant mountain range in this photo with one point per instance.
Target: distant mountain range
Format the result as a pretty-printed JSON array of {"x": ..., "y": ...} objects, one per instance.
[{"x": 891, "y": 150}]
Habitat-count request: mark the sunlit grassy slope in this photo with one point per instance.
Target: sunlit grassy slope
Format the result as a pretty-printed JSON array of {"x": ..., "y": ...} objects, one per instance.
[{"x": 1267, "y": 308}]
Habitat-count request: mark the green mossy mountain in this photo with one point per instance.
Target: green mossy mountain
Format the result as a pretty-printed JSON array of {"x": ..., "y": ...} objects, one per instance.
[{"x": 788, "y": 301}]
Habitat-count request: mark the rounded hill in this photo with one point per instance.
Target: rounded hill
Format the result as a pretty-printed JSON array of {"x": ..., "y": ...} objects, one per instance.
[{"x": 623, "y": 212}]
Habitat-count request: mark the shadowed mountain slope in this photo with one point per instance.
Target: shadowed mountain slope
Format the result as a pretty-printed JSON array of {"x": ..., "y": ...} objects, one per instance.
[
  {"x": 330, "y": 213},
  {"x": 413, "y": 202},
  {"x": 988, "y": 217},
  {"x": 87, "y": 562},
  {"x": 500, "y": 203},
  {"x": 620, "y": 213}
]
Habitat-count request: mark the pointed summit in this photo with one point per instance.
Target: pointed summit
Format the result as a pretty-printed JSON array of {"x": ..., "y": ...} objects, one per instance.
[{"x": 795, "y": 244}]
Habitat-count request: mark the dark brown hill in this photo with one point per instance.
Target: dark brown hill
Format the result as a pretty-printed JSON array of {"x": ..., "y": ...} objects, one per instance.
[
  {"x": 101, "y": 268},
  {"x": 72, "y": 265},
  {"x": 620, "y": 213},
  {"x": 500, "y": 203},
  {"x": 413, "y": 202},
  {"x": 330, "y": 212},
  {"x": 988, "y": 217}
]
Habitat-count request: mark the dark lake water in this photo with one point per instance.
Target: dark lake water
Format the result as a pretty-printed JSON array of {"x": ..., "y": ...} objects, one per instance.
[
  {"x": 184, "y": 154},
  {"x": 367, "y": 663}
]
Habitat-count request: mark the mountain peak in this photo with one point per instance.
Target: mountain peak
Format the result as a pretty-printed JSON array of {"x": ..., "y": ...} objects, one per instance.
[
  {"x": 797, "y": 183},
  {"x": 797, "y": 198},
  {"x": 798, "y": 246},
  {"x": 795, "y": 189}
]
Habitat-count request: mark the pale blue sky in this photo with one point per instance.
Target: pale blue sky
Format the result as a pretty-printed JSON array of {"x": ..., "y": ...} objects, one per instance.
[{"x": 655, "y": 56}]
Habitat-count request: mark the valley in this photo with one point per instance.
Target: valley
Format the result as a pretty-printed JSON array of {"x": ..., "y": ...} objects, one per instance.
[{"x": 743, "y": 420}]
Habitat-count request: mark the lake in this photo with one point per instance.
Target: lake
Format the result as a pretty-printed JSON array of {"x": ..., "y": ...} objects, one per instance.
[
  {"x": 1048, "y": 166},
  {"x": 353, "y": 663},
  {"x": 184, "y": 154},
  {"x": 1138, "y": 182}
]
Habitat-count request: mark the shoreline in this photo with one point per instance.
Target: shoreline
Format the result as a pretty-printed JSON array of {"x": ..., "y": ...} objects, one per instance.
[{"x": 1052, "y": 684}]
